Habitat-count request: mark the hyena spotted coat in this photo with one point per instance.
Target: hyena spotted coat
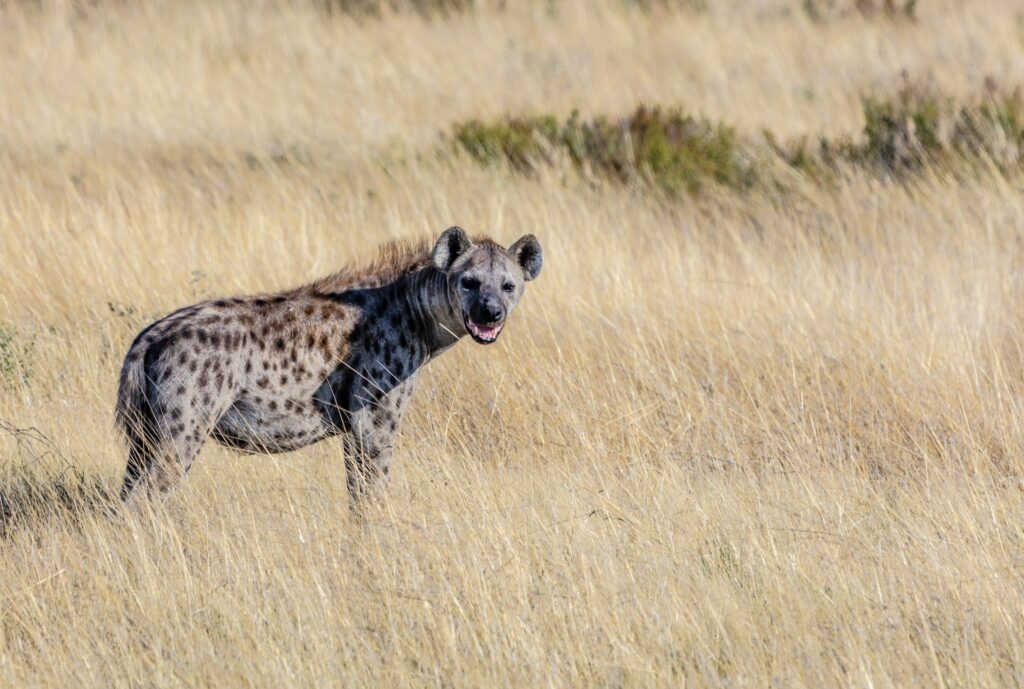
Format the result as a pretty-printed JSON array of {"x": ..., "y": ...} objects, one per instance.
[{"x": 340, "y": 356}]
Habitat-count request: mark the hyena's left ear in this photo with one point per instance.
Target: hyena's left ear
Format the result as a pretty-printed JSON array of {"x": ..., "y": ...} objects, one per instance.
[
  {"x": 528, "y": 254},
  {"x": 452, "y": 243}
]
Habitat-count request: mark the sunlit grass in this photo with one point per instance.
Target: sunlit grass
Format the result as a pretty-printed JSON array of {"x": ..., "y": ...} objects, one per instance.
[{"x": 729, "y": 440}]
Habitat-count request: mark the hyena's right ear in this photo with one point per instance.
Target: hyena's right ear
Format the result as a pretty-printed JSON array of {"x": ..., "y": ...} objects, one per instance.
[{"x": 452, "y": 243}]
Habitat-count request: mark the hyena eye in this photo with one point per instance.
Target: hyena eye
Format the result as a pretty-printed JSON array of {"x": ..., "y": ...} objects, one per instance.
[
  {"x": 508, "y": 287},
  {"x": 470, "y": 283}
]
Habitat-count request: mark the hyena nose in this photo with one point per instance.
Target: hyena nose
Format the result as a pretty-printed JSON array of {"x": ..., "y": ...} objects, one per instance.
[{"x": 491, "y": 313}]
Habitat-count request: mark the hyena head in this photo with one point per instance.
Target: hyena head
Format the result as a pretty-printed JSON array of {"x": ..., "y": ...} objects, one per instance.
[{"x": 485, "y": 280}]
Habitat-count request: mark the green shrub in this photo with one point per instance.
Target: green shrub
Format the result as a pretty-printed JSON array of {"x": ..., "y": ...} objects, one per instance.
[
  {"x": 916, "y": 127},
  {"x": 905, "y": 131},
  {"x": 661, "y": 147},
  {"x": 520, "y": 142}
]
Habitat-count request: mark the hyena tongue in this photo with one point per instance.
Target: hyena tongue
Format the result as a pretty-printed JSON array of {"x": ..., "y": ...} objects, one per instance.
[{"x": 485, "y": 332}]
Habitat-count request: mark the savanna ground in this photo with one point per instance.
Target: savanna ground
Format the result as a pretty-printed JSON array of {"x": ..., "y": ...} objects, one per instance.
[{"x": 768, "y": 436}]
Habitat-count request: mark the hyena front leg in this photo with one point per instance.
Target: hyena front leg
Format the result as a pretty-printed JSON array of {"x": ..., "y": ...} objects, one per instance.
[
  {"x": 369, "y": 447},
  {"x": 370, "y": 444}
]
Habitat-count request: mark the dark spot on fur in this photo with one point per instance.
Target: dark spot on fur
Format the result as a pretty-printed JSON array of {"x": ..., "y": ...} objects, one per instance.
[
  {"x": 204, "y": 379},
  {"x": 273, "y": 405},
  {"x": 248, "y": 365},
  {"x": 284, "y": 380},
  {"x": 193, "y": 365},
  {"x": 263, "y": 382},
  {"x": 260, "y": 302},
  {"x": 277, "y": 300},
  {"x": 279, "y": 344},
  {"x": 201, "y": 336},
  {"x": 288, "y": 405},
  {"x": 182, "y": 358},
  {"x": 220, "y": 303},
  {"x": 181, "y": 390}
]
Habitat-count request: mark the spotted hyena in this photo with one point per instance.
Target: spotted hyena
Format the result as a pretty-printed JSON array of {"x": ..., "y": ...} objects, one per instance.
[{"x": 278, "y": 372}]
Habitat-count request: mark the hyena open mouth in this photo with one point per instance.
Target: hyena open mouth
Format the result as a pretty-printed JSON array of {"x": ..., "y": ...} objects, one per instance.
[{"x": 484, "y": 334}]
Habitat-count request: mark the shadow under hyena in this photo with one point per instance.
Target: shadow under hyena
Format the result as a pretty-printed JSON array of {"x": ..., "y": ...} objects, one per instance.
[{"x": 32, "y": 491}]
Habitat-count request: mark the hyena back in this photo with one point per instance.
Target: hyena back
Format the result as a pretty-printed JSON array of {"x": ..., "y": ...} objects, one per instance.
[{"x": 274, "y": 373}]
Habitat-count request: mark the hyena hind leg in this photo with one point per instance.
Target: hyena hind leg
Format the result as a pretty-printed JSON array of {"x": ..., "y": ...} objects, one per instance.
[{"x": 158, "y": 462}]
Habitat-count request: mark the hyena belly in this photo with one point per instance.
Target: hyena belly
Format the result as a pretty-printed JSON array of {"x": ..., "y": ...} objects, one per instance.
[{"x": 251, "y": 425}]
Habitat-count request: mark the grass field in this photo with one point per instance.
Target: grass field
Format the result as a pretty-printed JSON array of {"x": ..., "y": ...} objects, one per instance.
[{"x": 754, "y": 438}]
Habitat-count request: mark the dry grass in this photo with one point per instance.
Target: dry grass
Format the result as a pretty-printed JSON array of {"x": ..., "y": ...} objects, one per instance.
[{"x": 731, "y": 441}]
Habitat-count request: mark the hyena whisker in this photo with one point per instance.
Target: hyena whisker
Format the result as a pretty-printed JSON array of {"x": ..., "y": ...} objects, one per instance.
[{"x": 272, "y": 373}]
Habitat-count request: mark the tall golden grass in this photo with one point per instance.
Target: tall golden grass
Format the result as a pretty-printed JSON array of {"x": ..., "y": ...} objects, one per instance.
[{"x": 734, "y": 440}]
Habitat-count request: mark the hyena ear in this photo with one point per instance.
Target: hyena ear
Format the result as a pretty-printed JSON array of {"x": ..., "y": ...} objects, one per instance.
[
  {"x": 452, "y": 243},
  {"x": 528, "y": 255}
]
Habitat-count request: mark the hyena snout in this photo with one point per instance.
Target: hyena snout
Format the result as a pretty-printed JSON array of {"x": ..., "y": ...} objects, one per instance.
[{"x": 487, "y": 312}]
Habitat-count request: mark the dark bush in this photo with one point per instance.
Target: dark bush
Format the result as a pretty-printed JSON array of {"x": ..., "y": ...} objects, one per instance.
[
  {"x": 916, "y": 127},
  {"x": 662, "y": 147}
]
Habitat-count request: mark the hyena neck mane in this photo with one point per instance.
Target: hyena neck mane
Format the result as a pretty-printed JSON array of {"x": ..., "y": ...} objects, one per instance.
[
  {"x": 393, "y": 261},
  {"x": 402, "y": 296},
  {"x": 414, "y": 311}
]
